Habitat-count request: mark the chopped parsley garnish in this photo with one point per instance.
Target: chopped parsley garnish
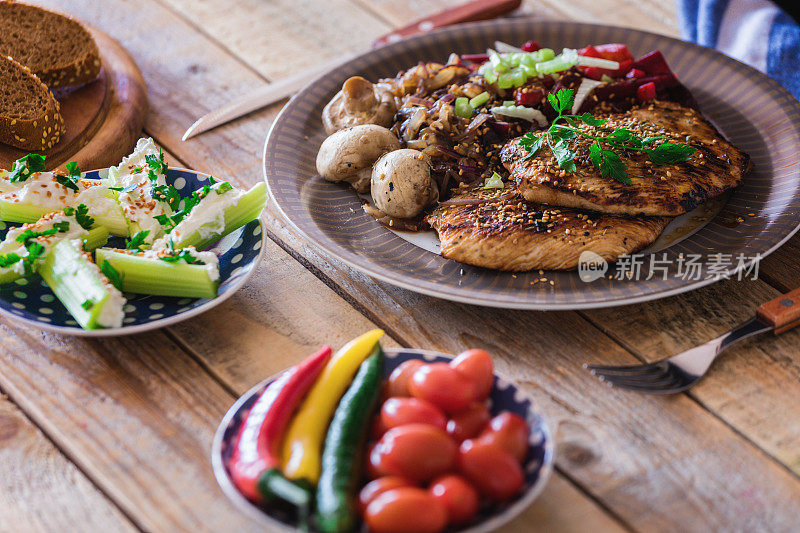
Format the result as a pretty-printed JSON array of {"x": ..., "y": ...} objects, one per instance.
[
  {"x": 27, "y": 236},
  {"x": 129, "y": 188},
  {"x": 87, "y": 304},
  {"x": 62, "y": 227},
  {"x": 167, "y": 194},
  {"x": 603, "y": 152},
  {"x": 6, "y": 260},
  {"x": 156, "y": 162},
  {"x": 136, "y": 242},
  {"x": 111, "y": 273},
  {"x": 24, "y": 167},
  {"x": 67, "y": 181},
  {"x": 182, "y": 255},
  {"x": 81, "y": 214},
  {"x": 170, "y": 221},
  {"x": 73, "y": 170},
  {"x": 223, "y": 187}
]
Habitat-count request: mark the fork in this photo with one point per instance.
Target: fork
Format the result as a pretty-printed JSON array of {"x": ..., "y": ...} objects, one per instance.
[{"x": 682, "y": 371}]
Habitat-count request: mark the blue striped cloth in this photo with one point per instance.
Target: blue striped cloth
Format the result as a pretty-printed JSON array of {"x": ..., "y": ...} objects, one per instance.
[{"x": 756, "y": 32}]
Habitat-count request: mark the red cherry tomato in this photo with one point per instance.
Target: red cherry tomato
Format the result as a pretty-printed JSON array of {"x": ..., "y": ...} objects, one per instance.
[
  {"x": 458, "y": 496},
  {"x": 443, "y": 386},
  {"x": 477, "y": 366},
  {"x": 376, "y": 463},
  {"x": 400, "y": 376},
  {"x": 469, "y": 422},
  {"x": 404, "y": 510},
  {"x": 495, "y": 473},
  {"x": 376, "y": 487},
  {"x": 400, "y": 411},
  {"x": 419, "y": 452},
  {"x": 508, "y": 431}
]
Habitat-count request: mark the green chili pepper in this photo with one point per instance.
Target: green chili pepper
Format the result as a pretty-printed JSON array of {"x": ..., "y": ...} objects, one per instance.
[{"x": 344, "y": 447}]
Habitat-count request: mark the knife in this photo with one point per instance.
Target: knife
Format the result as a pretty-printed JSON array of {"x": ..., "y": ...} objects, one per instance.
[{"x": 473, "y": 11}]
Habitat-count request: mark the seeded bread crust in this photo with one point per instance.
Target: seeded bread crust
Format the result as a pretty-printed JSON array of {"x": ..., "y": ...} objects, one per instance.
[
  {"x": 30, "y": 117},
  {"x": 58, "y": 49}
]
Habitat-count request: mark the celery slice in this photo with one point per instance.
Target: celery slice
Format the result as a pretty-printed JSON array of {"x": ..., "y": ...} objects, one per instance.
[
  {"x": 145, "y": 275},
  {"x": 247, "y": 209},
  {"x": 86, "y": 293},
  {"x": 463, "y": 109},
  {"x": 94, "y": 238}
]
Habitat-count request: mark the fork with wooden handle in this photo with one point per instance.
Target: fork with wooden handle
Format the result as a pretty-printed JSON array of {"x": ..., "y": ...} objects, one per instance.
[{"x": 680, "y": 372}]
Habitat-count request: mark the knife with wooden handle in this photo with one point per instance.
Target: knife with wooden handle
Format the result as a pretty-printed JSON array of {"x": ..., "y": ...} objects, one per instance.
[{"x": 473, "y": 11}]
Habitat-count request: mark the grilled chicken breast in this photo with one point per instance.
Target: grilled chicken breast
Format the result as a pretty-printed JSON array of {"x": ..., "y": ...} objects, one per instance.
[
  {"x": 655, "y": 190},
  {"x": 498, "y": 229}
]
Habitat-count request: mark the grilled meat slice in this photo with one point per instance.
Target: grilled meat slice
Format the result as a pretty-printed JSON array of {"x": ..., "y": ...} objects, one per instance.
[
  {"x": 655, "y": 190},
  {"x": 498, "y": 229}
]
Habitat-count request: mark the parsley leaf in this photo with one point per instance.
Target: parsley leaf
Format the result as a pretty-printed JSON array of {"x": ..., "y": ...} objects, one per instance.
[
  {"x": 73, "y": 170},
  {"x": 87, "y": 304},
  {"x": 62, "y": 227},
  {"x": 587, "y": 118},
  {"x": 111, "y": 273},
  {"x": 668, "y": 152},
  {"x": 127, "y": 189},
  {"x": 562, "y": 101},
  {"x": 564, "y": 156},
  {"x": 609, "y": 162},
  {"x": 157, "y": 163},
  {"x": 67, "y": 182},
  {"x": 182, "y": 255},
  {"x": 6, "y": 260},
  {"x": 24, "y": 167},
  {"x": 81, "y": 214},
  {"x": 27, "y": 236},
  {"x": 223, "y": 187},
  {"x": 167, "y": 194},
  {"x": 136, "y": 242}
]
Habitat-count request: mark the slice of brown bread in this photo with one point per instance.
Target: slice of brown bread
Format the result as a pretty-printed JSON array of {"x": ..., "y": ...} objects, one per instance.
[
  {"x": 58, "y": 49},
  {"x": 30, "y": 118}
]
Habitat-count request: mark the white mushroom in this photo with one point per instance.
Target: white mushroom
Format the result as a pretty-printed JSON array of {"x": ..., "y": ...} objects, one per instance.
[
  {"x": 359, "y": 102},
  {"x": 348, "y": 154},
  {"x": 402, "y": 185}
]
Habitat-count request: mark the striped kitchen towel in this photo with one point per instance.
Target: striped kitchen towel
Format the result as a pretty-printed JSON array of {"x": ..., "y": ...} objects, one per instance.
[{"x": 756, "y": 32}]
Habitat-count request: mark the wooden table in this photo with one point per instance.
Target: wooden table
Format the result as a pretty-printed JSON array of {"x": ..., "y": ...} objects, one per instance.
[{"x": 114, "y": 435}]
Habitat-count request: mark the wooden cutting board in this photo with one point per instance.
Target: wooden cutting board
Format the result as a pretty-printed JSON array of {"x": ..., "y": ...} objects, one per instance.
[{"x": 104, "y": 118}]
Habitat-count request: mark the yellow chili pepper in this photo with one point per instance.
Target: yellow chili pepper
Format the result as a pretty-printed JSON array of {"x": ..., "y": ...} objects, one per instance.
[{"x": 302, "y": 446}]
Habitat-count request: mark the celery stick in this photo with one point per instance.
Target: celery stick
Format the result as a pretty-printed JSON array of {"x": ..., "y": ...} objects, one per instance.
[
  {"x": 198, "y": 222},
  {"x": 149, "y": 275},
  {"x": 94, "y": 238},
  {"x": 29, "y": 213},
  {"x": 83, "y": 289}
]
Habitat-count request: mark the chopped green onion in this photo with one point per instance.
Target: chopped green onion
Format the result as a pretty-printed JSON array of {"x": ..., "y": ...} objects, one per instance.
[
  {"x": 495, "y": 181},
  {"x": 479, "y": 100},
  {"x": 556, "y": 64},
  {"x": 463, "y": 109},
  {"x": 508, "y": 103}
]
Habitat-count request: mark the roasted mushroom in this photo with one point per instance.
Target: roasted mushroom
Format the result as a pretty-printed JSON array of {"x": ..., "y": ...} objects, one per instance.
[
  {"x": 359, "y": 102},
  {"x": 348, "y": 155},
  {"x": 402, "y": 185}
]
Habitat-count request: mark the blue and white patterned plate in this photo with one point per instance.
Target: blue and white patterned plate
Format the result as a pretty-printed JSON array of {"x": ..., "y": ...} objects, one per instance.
[
  {"x": 29, "y": 300},
  {"x": 504, "y": 397}
]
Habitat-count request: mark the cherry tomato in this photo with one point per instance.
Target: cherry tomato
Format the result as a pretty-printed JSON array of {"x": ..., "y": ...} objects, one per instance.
[
  {"x": 400, "y": 411},
  {"x": 510, "y": 432},
  {"x": 477, "y": 366},
  {"x": 419, "y": 452},
  {"x": 469, "y": 422},
  {"x": 494, "y": 471},
  {"x": 400, "y": 376},
  {"x": 404, "y": 510},
  {"x": 376, "y": 487},
  {"x": 443, "y": 386},
  {"x": 376, "y": 464},
  {"x": 458, "y": 496}
]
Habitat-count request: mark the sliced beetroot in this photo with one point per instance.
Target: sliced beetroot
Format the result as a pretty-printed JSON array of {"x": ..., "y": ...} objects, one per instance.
[{"x": 652, "y": 63}]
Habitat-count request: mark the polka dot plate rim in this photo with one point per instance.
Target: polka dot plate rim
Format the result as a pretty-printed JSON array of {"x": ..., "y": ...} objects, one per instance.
[
  {"x": 752, "y": 110},
  {"x": 240, "y": 253},
  {"x": 504, "y": 396}
]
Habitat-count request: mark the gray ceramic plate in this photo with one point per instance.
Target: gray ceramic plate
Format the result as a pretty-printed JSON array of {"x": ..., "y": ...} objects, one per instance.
[{"x": 754, "y": 112}]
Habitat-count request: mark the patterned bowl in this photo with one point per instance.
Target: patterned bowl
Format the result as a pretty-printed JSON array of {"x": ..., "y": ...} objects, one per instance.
[
  {"x": 753, "y": 111},
  {"x": 30, "y": 300},
  {"x": 504, "y": 397}
]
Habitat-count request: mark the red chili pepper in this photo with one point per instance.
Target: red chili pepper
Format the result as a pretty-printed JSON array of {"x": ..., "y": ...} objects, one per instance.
[
  {"x": 589, "y": 51},
  {"x": 531, "y": 46},
  {"x": 258, "y": 447},
  {"x": 646, "y": 92}
]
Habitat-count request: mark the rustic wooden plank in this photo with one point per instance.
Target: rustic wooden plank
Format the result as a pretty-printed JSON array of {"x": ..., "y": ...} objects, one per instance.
[
  {"x": 40, "y": 489},
  {"x": 751, "y": 387},
  {"x": 136, "y": 414}
]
